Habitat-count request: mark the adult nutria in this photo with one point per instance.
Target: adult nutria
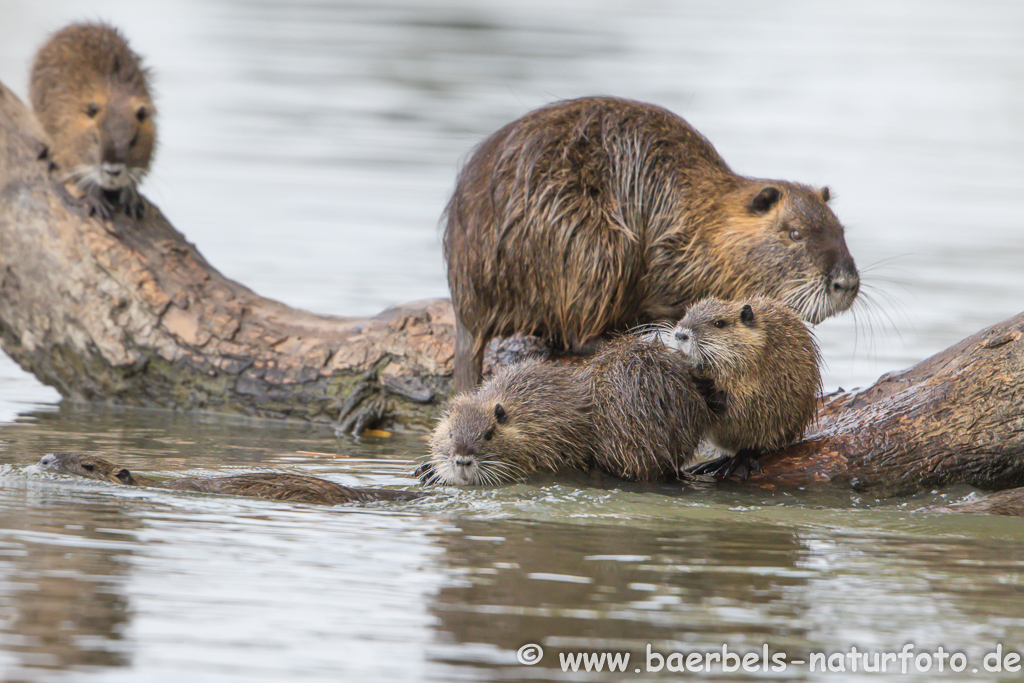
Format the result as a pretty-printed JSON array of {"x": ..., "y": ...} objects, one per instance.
[
  {"x": 296, "y": 488},
  {"x": 649, "y": 415},
  {"x": 92, "y": 97},
  {"x": 759, "y": 368},
  {"x": 597, "y": 214},
  {"x": 529, "y": 417}
]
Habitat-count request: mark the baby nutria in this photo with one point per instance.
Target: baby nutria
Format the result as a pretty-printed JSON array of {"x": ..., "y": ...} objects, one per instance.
[
  {"x": 91, "y": 95},
  {"x": 633, "y": 410},
  {"x": 295, "y": 488},
  {"x": 529, "y": 417},
  {"x": 593, "y": 215},
  {"x": 648, "y": 413},
  {"x": 759, "y": 365}
]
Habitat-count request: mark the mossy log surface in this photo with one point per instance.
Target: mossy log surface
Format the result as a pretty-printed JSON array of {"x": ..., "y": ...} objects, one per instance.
[{"x": 129, "y": 312}]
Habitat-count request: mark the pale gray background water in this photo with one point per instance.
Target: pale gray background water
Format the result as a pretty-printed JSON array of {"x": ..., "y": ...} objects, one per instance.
[{"x": 308, "y": 150}]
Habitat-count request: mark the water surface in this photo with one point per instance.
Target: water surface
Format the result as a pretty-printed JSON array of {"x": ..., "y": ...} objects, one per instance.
[{"x": 308, "y": 149}]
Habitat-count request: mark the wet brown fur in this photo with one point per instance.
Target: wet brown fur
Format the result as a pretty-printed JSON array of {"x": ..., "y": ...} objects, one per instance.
[
  {"x": 648, "y": 412},
  {"x": 631, "y": 410},
  {"x": 764, "y": 373},
  {"x": 594, "y": 215},
  {"x": 91, "y": 94},
  {"x": 529, "y": 417},
  {"x": 295, "y": 488}
]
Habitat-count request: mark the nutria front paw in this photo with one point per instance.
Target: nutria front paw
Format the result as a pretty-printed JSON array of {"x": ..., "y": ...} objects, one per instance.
[
  {"x": 425, "y": 472},
  {"x": 742, "y": 465}
]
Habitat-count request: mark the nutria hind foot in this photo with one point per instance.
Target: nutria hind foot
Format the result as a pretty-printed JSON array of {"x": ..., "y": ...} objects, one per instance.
[{"x": 742, "y": 464}]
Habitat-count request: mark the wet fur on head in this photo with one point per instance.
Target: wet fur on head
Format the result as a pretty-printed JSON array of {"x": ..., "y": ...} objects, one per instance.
[
  {"x": 763, "y": 363},
  {"x": 597, "y": 214},
  {"x": 530, "y": 417},
  {"x": 92, "y": 96},
  {"x": 87, "y": 466}
]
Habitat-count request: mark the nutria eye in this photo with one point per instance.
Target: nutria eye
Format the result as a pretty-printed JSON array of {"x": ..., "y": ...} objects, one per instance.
[
  {"x": 92, "y": 110},
  {"x": 796, "y": 235},
  {"x": 88, "y": 467},
  {"x": 499, "y": 414},
  {"x": 720, "y": 324},
  {"x": 489, "y": 434},
  {"x": 141, "y": 114}
]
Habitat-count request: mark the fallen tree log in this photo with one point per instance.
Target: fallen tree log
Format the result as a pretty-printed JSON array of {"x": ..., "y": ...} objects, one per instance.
[
  {"x": 957, "y": 417},
  {"x": 129, "y": 312}
]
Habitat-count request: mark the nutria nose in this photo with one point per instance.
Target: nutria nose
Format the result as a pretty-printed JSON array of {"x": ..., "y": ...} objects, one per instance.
[
  {"x": 683, "y": 335},
  {"x": 463, "y": 460},
  {"x": 847, "y": 282}
]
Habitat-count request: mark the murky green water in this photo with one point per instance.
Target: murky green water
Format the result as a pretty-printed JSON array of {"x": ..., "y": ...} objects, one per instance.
[{"x": 308, "y": 149}]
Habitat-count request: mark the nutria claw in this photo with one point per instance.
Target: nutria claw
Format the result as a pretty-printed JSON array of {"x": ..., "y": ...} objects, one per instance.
[{"x": 742, "y": 464}]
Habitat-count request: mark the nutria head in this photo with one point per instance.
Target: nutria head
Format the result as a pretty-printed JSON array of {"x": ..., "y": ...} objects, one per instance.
[
  {"x": 763, "y": 365},
  {"x": 774, "y": 238},
  {"x": 91, "y": 94},
  {"x": 87, "y": 466},
  {"x": 530, "y": 417}
]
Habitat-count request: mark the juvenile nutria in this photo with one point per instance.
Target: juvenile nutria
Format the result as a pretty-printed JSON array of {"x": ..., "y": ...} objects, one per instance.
[
  {"x": 91, "y": 95},
  {"x": 597, "y": 214},
  {"x": 529, "y": 417},
  {"x": 759, "y": 366},
  {"x": 633, "y": 410},
  {"x": 296, "y": 488},
  {"x": 648, "y": 414}
]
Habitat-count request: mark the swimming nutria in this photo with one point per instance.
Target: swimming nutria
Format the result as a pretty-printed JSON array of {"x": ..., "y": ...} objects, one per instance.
[
  {"x": 648, "y": 414},
  {"x": 593, "y": 215},
  {"x": 296, "y": 488},
  {"x": 529, "y": 417},
  {"x": 760, "y": 368},
  {"x": 91, "y": 95}
]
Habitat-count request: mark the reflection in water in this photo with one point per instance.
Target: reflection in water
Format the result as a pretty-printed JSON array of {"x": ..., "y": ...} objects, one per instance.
[
  {"x": 62, "y": 582},
  {"x": 309, "y": 148},
  {"x": 698, "y": 587}
]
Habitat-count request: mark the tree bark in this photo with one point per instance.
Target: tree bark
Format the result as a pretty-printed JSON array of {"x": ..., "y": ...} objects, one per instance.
[
  {"x": 954, "y": 418},
  {"x": 129, "y": 312}
]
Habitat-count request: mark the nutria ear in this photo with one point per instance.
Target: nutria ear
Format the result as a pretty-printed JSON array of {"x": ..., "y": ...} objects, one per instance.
[
  {"x": 765, "y": 199},
  {"x": 124, "y": 475},
  {"x": 88, "y": 466},
  {"x": 747, "y": 315},
  {"x": 499, "y": 414},
  {"x": 826, "y": 194}
]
